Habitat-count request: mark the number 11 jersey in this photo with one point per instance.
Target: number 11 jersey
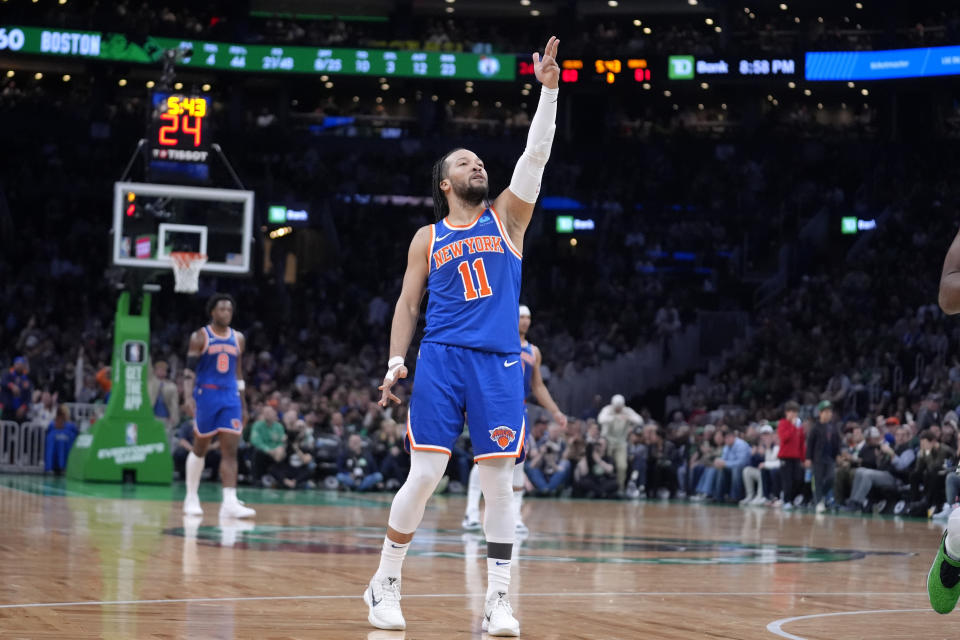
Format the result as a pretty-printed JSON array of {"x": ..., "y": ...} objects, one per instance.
[{"x": 474, "y": 286}]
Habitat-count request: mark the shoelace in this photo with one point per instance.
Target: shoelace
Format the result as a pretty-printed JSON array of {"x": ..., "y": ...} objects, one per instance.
[
  {"x": 501, "y": 601},
  {"x": 391, "y": 591}
]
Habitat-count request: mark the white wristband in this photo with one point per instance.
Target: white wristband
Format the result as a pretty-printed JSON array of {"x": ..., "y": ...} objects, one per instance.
[
  {"x": 393, "y": 366},
  {"x": 241, "y": 385}
]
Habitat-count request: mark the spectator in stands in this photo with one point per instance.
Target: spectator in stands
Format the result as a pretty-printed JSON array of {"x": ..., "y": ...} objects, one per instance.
[
  {"x": 184, "y": 435},
  {"x": 296, "y": 470},
  {"x": 637, "y": 459},
  {"x": 163, "y": 396},
  {"x": 269, "y": 440},
  {"x": 16, "y": 391},
  {"x": 393, "y": 461},
  {"x": 881, "y": 466},
  {"x": 595, "y": 475},
  {"x": 45, "y": 409},
  {"x": 667, "y": 322},
  {"x": 661, "y": 474},
  {"x": 823, "y": 447},
  {"x": 734, "y": 457},
  {"x": 767, "y": 472},
  {"x": 928, "y": 478},
  {"x": 792, "y": 453},
  {"x": 704, "y": 463},
  {"x": 616, "y": 420},
  {"x": 356, "y": 468},
  {"x": 61, "y": 433},
  {"x": 847, "y": 462},
  {"x": 547, "y": 469}
]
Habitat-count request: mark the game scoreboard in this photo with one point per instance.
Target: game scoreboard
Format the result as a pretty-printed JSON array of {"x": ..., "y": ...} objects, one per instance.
[
  {"x": 258, "y": 58},
  {"x": 179, "y": 129}
]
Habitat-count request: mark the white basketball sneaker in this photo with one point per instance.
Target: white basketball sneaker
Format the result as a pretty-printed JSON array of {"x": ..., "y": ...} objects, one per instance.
[
  {"x": 191, "y": 505},
  {"x": 470, "y": 523},
  {"x": 383, "y": 599},
  {"x": 521, "y": 528},
  {"x": 235, "y": 509},
  {"x": 498, "y": 617}
]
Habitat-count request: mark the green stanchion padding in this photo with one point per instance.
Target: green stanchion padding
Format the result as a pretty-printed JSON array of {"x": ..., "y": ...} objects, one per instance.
[{"x": 128, "y": 437}]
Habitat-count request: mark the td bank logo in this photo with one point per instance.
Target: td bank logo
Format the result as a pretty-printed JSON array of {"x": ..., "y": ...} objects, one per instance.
[{"x": 680, "y": 68}]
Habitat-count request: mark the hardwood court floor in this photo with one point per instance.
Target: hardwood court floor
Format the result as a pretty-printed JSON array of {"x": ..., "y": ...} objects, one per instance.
[{"x": 102, "y": 561}]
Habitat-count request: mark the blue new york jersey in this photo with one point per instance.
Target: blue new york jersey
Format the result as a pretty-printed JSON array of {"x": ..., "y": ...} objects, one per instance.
[
  {"x": 217, "y": 366},
  {"x": 474, "y": 285}
]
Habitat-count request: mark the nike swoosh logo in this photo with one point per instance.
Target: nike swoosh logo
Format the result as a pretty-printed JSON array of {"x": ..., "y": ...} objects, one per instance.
[
  {"x": 510, "y": 364},
  {"x": 396, "y": 546},
  {"x": 444, "y": 236},
  {"x": 500, "y": 564},
  {"x": 375, "y": 602}
]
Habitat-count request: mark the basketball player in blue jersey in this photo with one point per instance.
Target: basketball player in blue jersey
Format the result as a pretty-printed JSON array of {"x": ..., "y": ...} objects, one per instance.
[
  {"x": 469, "y": 359},
  {"x": 213, "y": 385},
  {"x": 530, "y": 360}
]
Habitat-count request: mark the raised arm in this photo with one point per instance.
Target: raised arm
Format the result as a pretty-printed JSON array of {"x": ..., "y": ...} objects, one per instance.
[
  {"x": 949, "y": 297},
  {"x": 542, "y": 394},
  {"x": 515, "y": 204},
  {"x": 407, "y": 311}
]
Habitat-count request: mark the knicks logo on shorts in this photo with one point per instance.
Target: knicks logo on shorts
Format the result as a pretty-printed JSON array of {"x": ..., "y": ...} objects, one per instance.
[{"x": 503, "y": 436}]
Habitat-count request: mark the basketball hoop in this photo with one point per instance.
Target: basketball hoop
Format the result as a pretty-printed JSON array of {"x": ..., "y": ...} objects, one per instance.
[{"x": 186, "y": 270}]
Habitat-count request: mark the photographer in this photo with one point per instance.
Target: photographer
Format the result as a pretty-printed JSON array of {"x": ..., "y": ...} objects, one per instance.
[
  {"x": 356, "y": 468},
  {"x": 595, "y": 475},
  {"x": 548, "y": 469}
]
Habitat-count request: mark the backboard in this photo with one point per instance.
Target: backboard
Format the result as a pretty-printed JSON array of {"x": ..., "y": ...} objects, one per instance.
[{"x": 151, "y": 220}]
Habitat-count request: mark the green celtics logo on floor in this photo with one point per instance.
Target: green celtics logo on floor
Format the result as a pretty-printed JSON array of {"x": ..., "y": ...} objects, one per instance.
[{"x": 445, "y": 543}]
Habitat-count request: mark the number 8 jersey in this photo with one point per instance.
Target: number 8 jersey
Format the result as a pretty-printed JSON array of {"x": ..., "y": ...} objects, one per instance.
[
  {"x": 474, "y": 285},
  {"x": 217, "y": 366}
]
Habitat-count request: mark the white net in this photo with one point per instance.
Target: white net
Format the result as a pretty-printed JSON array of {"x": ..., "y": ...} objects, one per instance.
[{"x": 186, "y": 270}]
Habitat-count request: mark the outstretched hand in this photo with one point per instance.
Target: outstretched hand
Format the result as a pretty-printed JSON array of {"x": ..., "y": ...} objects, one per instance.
[
  {"x": 388, "y": 382},
  {"x": 546, "y": 69}
]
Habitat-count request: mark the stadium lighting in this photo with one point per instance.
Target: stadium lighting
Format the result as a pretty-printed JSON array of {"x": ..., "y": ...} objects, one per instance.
[
  {"x": 864, "y": 92},
  {"x": 150, "y": 84},
  {"x": 525, "y": 3},
  {"x": 783, "y": 7},
  {"x": 10, "y": 73},
  {"x": 612, "y": 3},
  {"x": 534, "y": 12},
  {"x": 449, "y": 9},
  {"x": 709, "y": 21},
  {"x": 807, "y": 92},
  {"x": 718, "y": 29},
  {"x": 402, "y": 101},
  {"x": 206, "y": 87},
  {"x": 667, "y": 93},
  {"x": 328, "y": 85},
  {"x": 384, "y": 87},
  {"x": 66, "y": 77},
  {"x": 647, "y": 30},
  {"x": 637, "y": 23},
  {"x": 792, "y": 84}
]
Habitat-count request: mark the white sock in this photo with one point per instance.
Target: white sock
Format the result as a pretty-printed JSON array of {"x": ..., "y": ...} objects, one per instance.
[
  {"x": 194, "y": 470},
  {"x": 229, "y": 494},
  {"x": 953, "y": 535},
  {"x": 473, "y": 494},
  {"x": 518, "y": 504},
  {"x": 391, "y": 559},
  {"x": 498, "y": 576}
]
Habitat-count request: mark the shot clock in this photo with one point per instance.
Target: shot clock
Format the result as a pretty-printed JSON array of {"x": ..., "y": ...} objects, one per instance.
[{"x": 179, "y": 130}]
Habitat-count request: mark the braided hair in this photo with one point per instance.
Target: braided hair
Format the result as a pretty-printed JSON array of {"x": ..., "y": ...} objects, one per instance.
[{"x": 440, "y": 205}]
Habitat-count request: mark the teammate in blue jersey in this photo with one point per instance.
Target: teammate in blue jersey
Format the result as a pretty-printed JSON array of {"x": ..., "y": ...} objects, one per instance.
[
  {"x": 213, "y": 385},
  {"x": 530, "y": 360},
  {"x": 469, "y": 358}
]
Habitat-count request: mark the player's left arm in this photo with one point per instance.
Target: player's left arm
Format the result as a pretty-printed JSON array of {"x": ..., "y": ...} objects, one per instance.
[
  {"x": 542, "y": 394},
  {"x": 949, "y": 297},
  {"x": 241, "y": 383},
  {"x": 515, "y": 205}
]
